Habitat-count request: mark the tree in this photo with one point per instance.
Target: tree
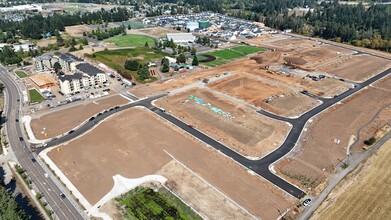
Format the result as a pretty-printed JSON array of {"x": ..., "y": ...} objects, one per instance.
[
  {"x": 129, "y": 27},
  {"x": 57, "y": 67},
  {"x": 133, "y": 64},
  {"x": 146, "y": 44},
  {"x": 143, "y": 73},
  {"x": 193, "y": 51},
  {"x": 81, "y": 47},
  {"x": 165, "y": 65},
  {"x": 195, "y": 61},
  {"x": 9, "y": 208},
  {"x": 182, "y": 58}
]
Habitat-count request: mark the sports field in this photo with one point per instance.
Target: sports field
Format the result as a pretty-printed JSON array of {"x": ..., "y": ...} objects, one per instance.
[
  {"x": 223, "y": 56},
  {"x": 35, "y": 96},
  {"x": 132, "y": 40}
]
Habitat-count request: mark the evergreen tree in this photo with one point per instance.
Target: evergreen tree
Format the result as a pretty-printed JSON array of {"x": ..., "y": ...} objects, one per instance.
[{"x": 195, "y": 61}]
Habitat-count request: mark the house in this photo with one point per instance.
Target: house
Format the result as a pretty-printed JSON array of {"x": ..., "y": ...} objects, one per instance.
[
  {"x": 24, "y": 47},
  {"x": 181, "y": 37}
]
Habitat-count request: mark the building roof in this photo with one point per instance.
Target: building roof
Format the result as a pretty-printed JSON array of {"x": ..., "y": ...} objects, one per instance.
[
  {"x": 43, "y": 79},
  {"x": 88, "y": 69},
  {"x": 180, "y": 36},
  {"x": 71, "y": 77},
  {"x": 44, "y": 57},
  {"x": 69, "y": 58}
]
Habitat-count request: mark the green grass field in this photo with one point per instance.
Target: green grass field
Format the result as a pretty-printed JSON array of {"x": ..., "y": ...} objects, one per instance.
[
  {"x": 21, "y": 74},
  {"x": 144, "y": 203},
  {"x": 223, "y": 56},
  {"x": 201, "y": 58},
  {"x": 35, "y": 96},
  {"x": 132, "y": 40},
  {"x": 247, "y": 49},
  {"x": 75, "y": 9},
  {"x": 116, "y": 58}
]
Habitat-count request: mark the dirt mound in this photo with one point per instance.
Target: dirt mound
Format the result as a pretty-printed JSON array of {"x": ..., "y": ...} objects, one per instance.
[
  {"x": 210, "y": 58},
  {"x": 259, "y": 60},
  {"x": 295, "y": 60}
]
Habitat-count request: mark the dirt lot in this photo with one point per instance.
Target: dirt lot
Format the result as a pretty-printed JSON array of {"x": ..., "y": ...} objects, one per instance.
[
  {"x": 363, "y": 196},
  {"x": 291, "y": 105},
  {"x": 77, "y": 30},
  {"x": 245, "y": 131},
  {"x": 62, "y": 121},
  {"x": 318, "y": 153},
  {"x": 155, "y": 32},
  {"x": 246, "y": 88},
  {"x": 358, "y": 68},
  {"x": 140, "y": 143},
  {"x": 196, "y": 192}
]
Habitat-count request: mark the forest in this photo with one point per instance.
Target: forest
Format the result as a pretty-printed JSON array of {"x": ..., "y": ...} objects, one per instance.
[{"x": 36, "y": 26}]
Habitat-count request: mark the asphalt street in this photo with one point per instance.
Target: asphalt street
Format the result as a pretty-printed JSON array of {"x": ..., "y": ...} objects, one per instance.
[
  {"x": 261, "y": 167},
  {"x": 65, "y": 210},
  {"x": 62, "y": 207}
]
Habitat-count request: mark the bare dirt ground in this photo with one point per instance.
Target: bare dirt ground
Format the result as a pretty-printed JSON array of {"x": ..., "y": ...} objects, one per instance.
[
  {"x": 94, "y": 158},
  {"x": 274, "y": 98},
  {"x": 77, "y": 30},
  {"x": 291, "y": 105},
  {"x": 169, "y": 84},
  {"x": 358, "y": 67},
  {"x": 155, "y": 32},
  {"x": 309, "y": 55},
  {"x": 245, "y": 131},
  {"x": 246, "y": 88},
  {"x": 200, "y": 195},
  {"x": 362, "y": 196},
  {"x": 318, "y": 151},
  {"x": 46, "y": 41},
  {"x": 62, "y": 121}
]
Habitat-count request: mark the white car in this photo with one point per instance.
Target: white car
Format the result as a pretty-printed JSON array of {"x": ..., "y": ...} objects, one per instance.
[{"x": 307, "y": 202}]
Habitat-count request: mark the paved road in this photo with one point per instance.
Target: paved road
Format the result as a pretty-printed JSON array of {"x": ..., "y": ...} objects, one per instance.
[
  {"x": 261, "y": 166},
  {"x": 62, "y": 207}
]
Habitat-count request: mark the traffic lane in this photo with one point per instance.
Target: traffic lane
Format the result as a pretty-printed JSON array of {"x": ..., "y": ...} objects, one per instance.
[
  {"x": 13, "y": 137},
  {"x": 260, "y": 167},
  {"x": 94, "y": 120},
  {"x": 24, "y": 157}
]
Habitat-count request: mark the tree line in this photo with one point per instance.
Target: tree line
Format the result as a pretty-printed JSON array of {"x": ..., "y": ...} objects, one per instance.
[{"x": 37, "y": 26}]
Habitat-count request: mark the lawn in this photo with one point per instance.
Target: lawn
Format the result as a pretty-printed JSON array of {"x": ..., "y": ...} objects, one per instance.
[
  {"x": 201, "y": 58},
  {"x": 223, "y": 56},
  {"x": 35, "y": 96},
  {"x": 116, "y": 58},
  {"x": 75, "y": 9},
  {"x": 132, "y": 40},
  {"x": 247, "y": 49},
  {"x": 145, "y": 203},
  {"x": 21, "y": 74}
]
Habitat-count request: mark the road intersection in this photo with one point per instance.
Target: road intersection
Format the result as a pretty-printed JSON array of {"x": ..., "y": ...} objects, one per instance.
[{"x": 68, "y": 210}]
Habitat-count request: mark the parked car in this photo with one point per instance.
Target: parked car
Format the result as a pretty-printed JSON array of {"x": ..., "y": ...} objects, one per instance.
[{"x": 307, "y": 202}]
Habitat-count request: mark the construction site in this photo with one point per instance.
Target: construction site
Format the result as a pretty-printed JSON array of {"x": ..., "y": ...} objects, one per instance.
[
  {"x": 148, "y": 145},
  {"x": 235, "y": 125},
  {"x": 209, "y": 132}
]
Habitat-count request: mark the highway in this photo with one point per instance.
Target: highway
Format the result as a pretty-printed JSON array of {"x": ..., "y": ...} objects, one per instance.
[{"x": 62, "y": 207}]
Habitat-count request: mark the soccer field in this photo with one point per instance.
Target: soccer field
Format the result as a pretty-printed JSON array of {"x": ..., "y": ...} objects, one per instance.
[{"x": 132, "y": 40}]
